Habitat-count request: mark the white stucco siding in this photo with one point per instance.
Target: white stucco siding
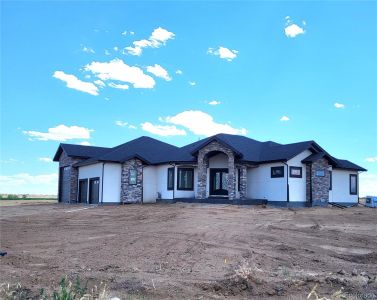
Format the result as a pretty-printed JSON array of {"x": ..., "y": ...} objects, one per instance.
[
  {"x": 341, "y": 187},
  {"x": 92, "y": 171},
  {"x": 111, "y": 183},
  {"x": 260, "y": 185},
  {"x": 162, "y": 181},
  {"x": 297, "y": 186},
  {"x": 150, "y": 184},
  {"x": 218, "y": 161}
]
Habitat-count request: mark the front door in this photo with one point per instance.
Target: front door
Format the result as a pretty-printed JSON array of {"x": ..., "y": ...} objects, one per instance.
[
  {"x": 218, "y": 182},
  {"x": 93, "y": 190}
]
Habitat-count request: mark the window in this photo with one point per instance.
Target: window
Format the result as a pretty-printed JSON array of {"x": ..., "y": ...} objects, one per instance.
[
  {"x": 295, "y": 172},
  {"x": 353, "y": 184},
  {"x": 330, "y": 188},
  {"x": 277, "y": 172},
  {"x": 185, "y": 179},
  {"x": 320, "y": 173},
  {"x": 133, "y": 177},
  {"x": 170, "y": 179}
]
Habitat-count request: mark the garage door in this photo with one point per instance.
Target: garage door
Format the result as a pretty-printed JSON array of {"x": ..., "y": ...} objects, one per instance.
[{"x": 94, "y": 190}]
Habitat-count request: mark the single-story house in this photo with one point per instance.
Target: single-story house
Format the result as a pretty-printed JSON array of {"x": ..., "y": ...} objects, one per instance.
[{"x": 220, "y": 168}]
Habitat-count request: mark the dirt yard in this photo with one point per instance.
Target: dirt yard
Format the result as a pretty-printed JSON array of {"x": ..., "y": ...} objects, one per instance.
[{"x": 193, "y": 251}]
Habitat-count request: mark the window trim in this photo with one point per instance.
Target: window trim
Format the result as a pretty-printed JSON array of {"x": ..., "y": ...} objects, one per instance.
[
  {"x": 356, "y": 182},
  {"x": 192, "y": 184},
  {"x": 277, "y": 176},
  {"x": 291, "y": 168},
  {"x": 170, "y": 188},
  {"x": 129, "y": 176}
]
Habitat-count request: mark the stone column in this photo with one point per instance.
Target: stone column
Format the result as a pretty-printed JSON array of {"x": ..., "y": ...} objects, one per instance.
[
  {"x": 202, "y": 176},
  {"x": 231, "y": 178},
  {"x": 320, "y": 185},
  {"x": 131, "y": 193},
  {"x": 243, "y": 182}
]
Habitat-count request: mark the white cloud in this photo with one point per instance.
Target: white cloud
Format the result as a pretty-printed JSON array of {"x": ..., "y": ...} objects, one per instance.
[
  {"x": 116, "y": 49},
  {"x": 159, "y": 71},
  {"x": 45, "y": 159},
  {"x": 125, "y": 124},
  {"x": 85, "y": 143},
  {"x": 60, "y": 133},
  {"x": 223, "y": 53},
  {"x": 119, "y": 86},
  {"x": 107, "y": 52},
  {"x": 24, "y": 183},
  {"x": 179, "y": 72},
  {"x": 368, "y": 184},
  {"x": 117, "y": 70},
  {"x": 214, "y": 102},
  {"x": 73, "y": 82},
  {"x": 158, "y": 38},
  {"x": 338, "y": 105},
  {"x": 9, "y": 161},
  {"x": 192, "y": 83},
  {"x": 124, "y": 33},
  {"x": 100, "y": 83},
  {"x": 162, "y": 130},
  {"x": 87, "y": 49},
  {"x": 371, "y": 159},
  {"x": 201, "y": 123},
  {"x": 284, "y": 118},
  {"x": 291, "y": 29}
]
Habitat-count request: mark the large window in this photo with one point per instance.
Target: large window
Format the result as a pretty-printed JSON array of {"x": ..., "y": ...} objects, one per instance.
[
  {"x": 277, "y": 172},
  {"x": 170, "y": 178},
  {"x": 185, "y": 179},
  {"x": 239, "y": 179},
  {"x": 353, "y": 184},
  {"x": 295, "y": 172},
  {"x": 133, "y": 177}
]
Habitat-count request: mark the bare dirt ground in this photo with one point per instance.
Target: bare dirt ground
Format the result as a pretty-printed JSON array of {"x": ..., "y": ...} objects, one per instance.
[{"x": 193, "y": 251}]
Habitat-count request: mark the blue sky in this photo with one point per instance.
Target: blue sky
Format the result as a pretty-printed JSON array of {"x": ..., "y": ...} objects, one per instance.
[{"x": 103, "y": 73}]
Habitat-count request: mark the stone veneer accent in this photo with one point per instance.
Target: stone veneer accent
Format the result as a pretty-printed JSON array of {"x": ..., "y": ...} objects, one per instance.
[
  {"x": 71, "y": 178},
  {"x": 320, "y": 185},
  {"x": 243, "y": 182},
  {"x": 202, "y": 169},
  {"x": 131, "y": 193}
]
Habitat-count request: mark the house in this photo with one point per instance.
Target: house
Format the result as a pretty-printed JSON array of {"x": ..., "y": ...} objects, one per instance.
[{"x": 219, "y": 168}]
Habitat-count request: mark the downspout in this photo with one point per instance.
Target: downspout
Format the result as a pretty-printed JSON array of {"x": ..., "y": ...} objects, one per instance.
[
  {"x": 287, "y": 181},
  {"x": 103, "y": 169}
]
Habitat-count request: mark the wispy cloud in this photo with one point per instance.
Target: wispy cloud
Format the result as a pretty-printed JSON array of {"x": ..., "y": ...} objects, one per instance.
[
  {"x": 60, "y": 133},
  {"x": 9, "y": 161},
  {"x": 162, "y": 130},
  {"x": 372, "y": 159},
  {"x": 117, "y": 70},
  {"x": 339, "y": 105},
  {"x": 223, "y": 53},
  {"x": 27, "y": 183},
  {"x": 73, "y": 82},
  {"x": 179, "y": 72},
  {"x": 87, "y": 49},
  {"x": 119, "y": 86},
  {"x": 159, "y": 71},
  {"x": 45, "y": 159},
  {"x": 201, "y": 123},
  {"x": 214, "y": 102},
  {"x": 125, "y": 124},
  {"x": 284, "y": 118},
  {"x": 291, "y": 29},
  {"x": 158, "y": 38},
  {"x": 192, "y": 83}
]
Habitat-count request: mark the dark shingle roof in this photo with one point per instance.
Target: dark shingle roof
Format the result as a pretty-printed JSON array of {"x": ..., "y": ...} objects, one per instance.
[
  {"x": 153, "y": 151},
  {"x": 79, "y": 151}
]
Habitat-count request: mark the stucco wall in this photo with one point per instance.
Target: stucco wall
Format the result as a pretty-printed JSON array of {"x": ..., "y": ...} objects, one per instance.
[
  {"x": 297, "y": 186},
  {"x": 260, "y": 185},
  {"x": 111, "y": 183},
  {"x": 341, "y": 187},
  {"x": 150, "y": 184}
]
